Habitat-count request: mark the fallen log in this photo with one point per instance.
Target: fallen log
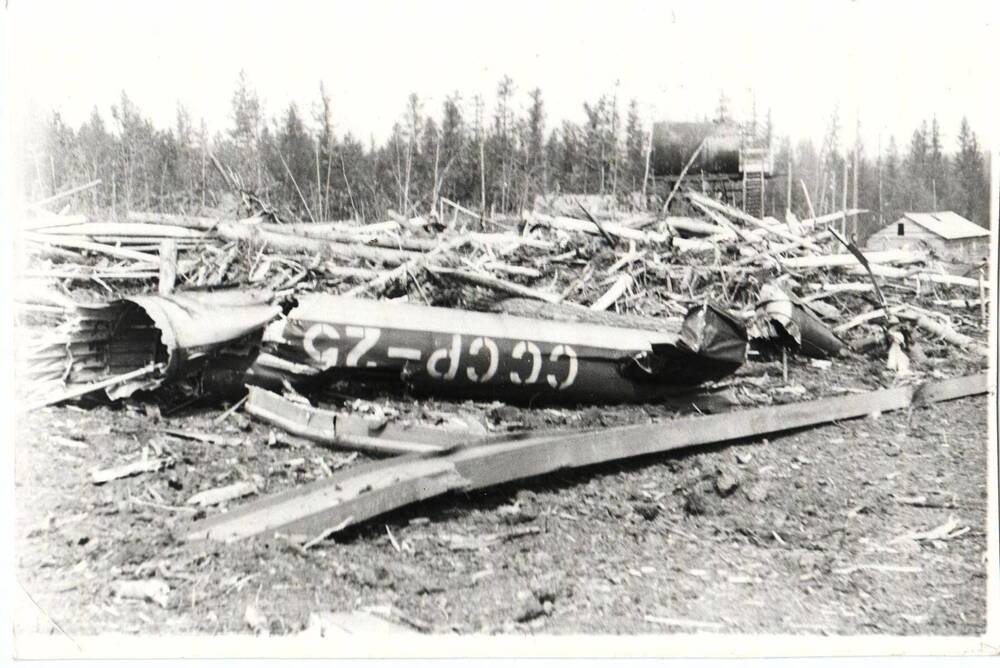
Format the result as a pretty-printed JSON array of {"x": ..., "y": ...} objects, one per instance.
[
  {"x": 698, "y": 227},
  {"x": 776, "y": 250},
  {"x": 83, "y": 244},
  {"x": 747, "y": 218},
  {"x": 848, "y": 259},
  {"x": 353, "y": 496},
  {"x": 65, "y": 193},
  {"x": 945, "y": 332},
  {"x": 932, "y": 277},
  {"x": 193, "y": 222},
  {"x": 811, "y": 223},
  {"x": 588, "y": 227},
  {"x": 623, "y": 283},
  {"x": 144, "y": 230},
  {"x": 386, "y": 277},
  {"x": 487, "y": 281},
  {"x": 252, "y": 231}
]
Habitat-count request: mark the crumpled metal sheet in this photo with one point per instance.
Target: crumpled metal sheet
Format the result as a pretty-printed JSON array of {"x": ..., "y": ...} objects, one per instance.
[
  {"x": 781, "y": 321},
  {"x": 211, "y": 333},
  {"x": 496, "y": 356},
  {"x": 224, "y": 325}
]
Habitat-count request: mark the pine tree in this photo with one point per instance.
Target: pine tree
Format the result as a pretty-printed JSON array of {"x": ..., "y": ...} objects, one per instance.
[
  {"x": 247, "y": 120},
  {"x": 534, "y": 143},
  {"x": 635, "y": 147},
  {"x": 971, "y": 189},
  {"x": 937, "y": 167}
]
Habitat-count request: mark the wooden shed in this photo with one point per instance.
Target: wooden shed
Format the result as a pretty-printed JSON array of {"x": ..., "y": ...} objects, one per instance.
[{"x": 945, "y": 233}]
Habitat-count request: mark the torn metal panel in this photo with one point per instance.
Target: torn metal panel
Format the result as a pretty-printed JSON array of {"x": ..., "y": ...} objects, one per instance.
[
  {"x": 352, "y": 496},
  {"x": 781, "y": 321},
  {"x": 350, "y": 431},
  {"x": 501, "y": 356},
  {"x": 214, "y": 334}
]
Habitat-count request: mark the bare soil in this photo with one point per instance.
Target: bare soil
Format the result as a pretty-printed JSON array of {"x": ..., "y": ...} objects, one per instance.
[{"x": 801, "y": 533}]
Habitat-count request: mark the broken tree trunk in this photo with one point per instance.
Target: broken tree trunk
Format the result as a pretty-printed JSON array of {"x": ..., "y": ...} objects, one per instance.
[
  {"x": 677, "y": 185},
  {"x": 848, "y": 259},
  {"x": 385, "y": 278},
  {"x": 946, "y": 333},
  {"x": 588, "y": 227},
  {"x": 252, "y": 231},
  {"x": 192, "y": 222},
  {"x": 747, "y": 218},
  {"x": 932, "y": 277},
  {"x": 623, "y": 283},
  {"x": 356, "y": 495}
]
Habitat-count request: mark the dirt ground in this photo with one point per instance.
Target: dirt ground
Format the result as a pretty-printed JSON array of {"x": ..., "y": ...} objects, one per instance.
[{"x": 801, "y": 533}]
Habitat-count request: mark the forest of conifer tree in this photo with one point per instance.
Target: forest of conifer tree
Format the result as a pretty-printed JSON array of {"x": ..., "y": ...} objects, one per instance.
[{"x": 502, "y": 158}]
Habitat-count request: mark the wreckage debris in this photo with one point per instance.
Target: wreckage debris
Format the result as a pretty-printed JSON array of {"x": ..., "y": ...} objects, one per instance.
[
  {"x": 608, "y": 307},
  {"x": 355, "y": 495},
  {"x": 781, "y": 322}
]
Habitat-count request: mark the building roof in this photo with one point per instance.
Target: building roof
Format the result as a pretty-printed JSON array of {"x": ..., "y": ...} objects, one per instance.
[{"x": 947, "y": 224}]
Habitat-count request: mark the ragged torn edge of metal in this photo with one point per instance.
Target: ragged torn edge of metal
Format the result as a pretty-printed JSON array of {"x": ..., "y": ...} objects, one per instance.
[
  {"x": 215, "y": 334},
  {"x": 782, "y": 321}
]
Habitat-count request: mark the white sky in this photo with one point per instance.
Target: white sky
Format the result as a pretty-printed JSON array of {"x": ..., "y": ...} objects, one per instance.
[{"x": 894, "y": 62}]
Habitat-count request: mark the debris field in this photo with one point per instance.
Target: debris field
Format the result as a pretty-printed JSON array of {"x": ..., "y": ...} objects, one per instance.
[{"x": 578, "y": 419}]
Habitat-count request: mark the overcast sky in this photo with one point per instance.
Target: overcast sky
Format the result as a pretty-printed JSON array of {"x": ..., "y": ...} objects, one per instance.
[{"x": 893, "y": 62}]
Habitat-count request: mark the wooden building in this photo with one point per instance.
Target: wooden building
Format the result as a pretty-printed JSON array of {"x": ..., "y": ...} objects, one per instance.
[{"x": 946, "y": 234}]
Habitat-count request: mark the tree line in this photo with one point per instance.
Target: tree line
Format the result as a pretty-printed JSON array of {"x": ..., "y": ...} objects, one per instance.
[{"x": 495, "y": 159}]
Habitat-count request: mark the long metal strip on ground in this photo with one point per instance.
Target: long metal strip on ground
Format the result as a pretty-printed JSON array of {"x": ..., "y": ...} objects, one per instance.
[{"x": 353, "y": 496}]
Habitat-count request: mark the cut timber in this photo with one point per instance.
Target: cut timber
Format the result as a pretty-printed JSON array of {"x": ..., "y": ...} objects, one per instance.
[
  {"x": 356, "y": 495},
  {"x": 859, "y": 320},
  {"x": 811, "y": 223},
  {"x": 722, "y": 221}
]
